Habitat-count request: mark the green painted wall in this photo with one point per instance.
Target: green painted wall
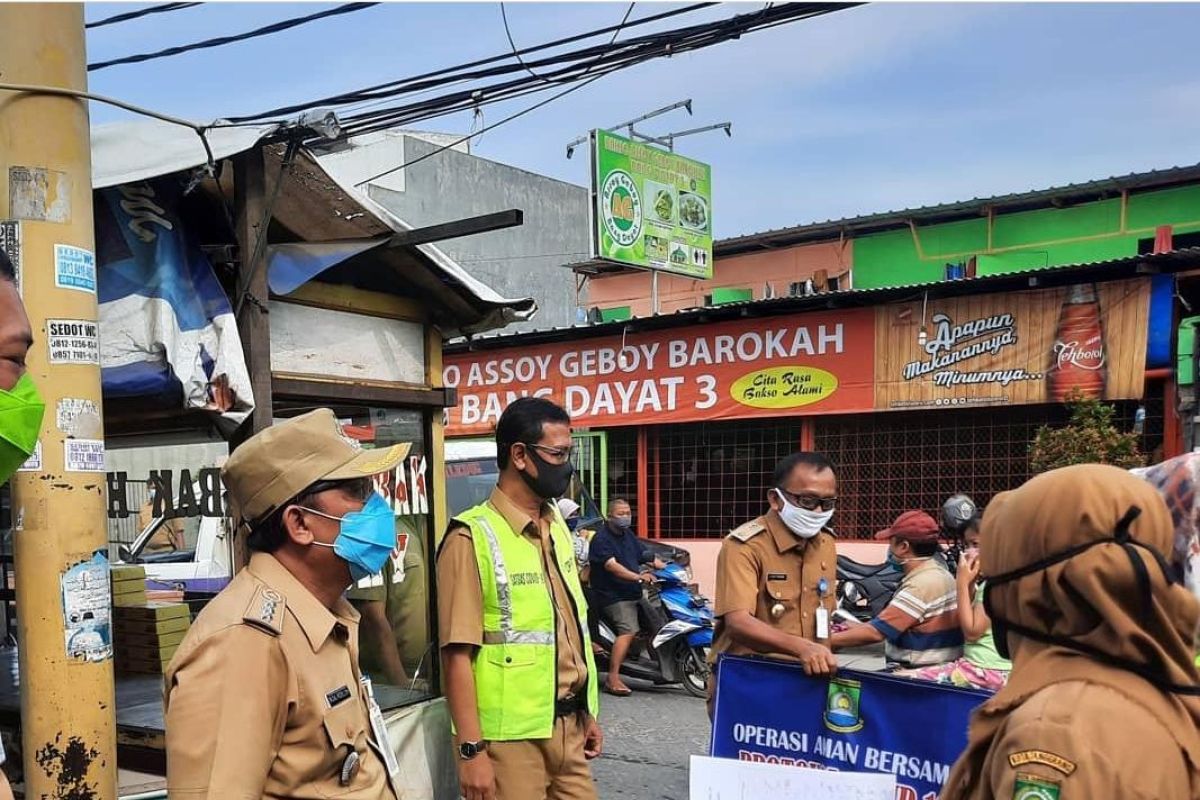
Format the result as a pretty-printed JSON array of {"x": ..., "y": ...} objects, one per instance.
[{"x": 1028, "y": 240}]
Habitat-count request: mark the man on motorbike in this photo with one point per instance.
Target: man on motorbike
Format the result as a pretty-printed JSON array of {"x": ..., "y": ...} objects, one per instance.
[
  {"x": 920, "y": 624},
  {"x": 616, "y": 556}
]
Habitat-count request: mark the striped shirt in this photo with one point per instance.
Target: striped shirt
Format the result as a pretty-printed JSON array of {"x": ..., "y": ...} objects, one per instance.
[{"x": 921, "y": 623}]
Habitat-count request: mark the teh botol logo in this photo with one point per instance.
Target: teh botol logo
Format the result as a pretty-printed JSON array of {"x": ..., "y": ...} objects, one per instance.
[
  {"x": 622, "y": 208},
  {"x": 842, "y": 714}
]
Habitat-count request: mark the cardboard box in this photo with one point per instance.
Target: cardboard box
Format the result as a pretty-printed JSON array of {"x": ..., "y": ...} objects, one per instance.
[
  {"x": 153, "y": 611},
  {"x": 125, "y": 572},
  {"x": 148, "y": 626},
  {"x": 160, "y": 640}
]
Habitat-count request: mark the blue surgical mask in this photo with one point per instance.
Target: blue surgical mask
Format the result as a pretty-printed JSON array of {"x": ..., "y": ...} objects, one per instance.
[
  {"x": 893, "y": 561},
  {"x": 366, "y": 538}
]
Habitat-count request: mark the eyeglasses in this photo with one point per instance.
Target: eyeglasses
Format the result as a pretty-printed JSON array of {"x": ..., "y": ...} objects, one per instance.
[
  {"x": 558, "y": 455},
  {"x": 809, "y": 502}
]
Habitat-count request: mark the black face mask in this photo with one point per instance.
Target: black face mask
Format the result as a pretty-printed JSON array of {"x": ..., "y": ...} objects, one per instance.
[
  {"x": 1001, "y": 626},
  {"x": 552, "y": 479}
]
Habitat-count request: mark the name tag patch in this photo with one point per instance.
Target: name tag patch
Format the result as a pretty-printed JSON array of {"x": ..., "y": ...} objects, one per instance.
[
  {"x": 777, "y": 576},
  {"x": 337, "y": 696},
  {"x": 1063, "y": 765}
]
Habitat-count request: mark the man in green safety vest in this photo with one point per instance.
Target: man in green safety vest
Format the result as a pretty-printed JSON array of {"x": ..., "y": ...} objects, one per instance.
[{"x": 517, "y": 660}]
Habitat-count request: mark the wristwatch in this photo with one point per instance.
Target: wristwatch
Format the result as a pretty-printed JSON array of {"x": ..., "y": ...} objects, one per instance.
[{"x": 468, "y": 750}]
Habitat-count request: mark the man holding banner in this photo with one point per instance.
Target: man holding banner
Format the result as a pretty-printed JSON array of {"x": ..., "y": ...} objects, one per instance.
[{"x": 776, "y": 574}]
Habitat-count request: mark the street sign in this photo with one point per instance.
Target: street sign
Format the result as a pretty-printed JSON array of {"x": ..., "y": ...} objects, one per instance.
[{"x": 652, "y": 209}]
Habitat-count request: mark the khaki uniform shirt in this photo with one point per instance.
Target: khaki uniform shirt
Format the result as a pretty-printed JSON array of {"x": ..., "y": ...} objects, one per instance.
[
  {"x": 263, "y": 698},
  {"x": 1081, "y": 741},
  {"x": 773, "y": 574},
  {"x": 460, "y": 591}
]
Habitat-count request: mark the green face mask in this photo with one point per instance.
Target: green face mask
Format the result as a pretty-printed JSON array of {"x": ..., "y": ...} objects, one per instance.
[{"x": 21, "y": 412}]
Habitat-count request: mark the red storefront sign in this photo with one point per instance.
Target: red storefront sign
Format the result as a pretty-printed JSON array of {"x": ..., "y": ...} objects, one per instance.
[{"x": 812, "y": 363}]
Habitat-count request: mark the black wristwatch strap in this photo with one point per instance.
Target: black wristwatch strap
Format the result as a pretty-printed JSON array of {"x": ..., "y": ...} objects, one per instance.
[{"x": 469, "y": 750}]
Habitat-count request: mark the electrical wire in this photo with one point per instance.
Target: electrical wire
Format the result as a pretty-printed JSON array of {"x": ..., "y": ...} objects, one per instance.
[
  {"x": 131, "y": 15},
  {"x": 455, "y": 73},
  {"x": 628, "y": 53},
  {"x": 219, "y": 41},
  {"x": 659, "y": 45},
  {"x": 112, "y": 101},
  {"x": 494, "y": 125}
]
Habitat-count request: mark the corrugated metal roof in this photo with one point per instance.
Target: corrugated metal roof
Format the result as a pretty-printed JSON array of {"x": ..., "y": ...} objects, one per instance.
[
  {"x": 886, "y": 219},
  {"x": 1175, "y": 261}
]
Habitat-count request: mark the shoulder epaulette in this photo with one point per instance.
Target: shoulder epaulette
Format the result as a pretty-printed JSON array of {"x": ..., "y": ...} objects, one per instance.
[
  {"x": 746, "y": 532},
  {"x": 266, "y": 610}
]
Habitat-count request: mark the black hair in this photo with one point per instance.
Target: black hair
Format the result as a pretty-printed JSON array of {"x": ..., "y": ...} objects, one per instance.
[
  {"x": 925, "y": 549},
  {"x": 523, "y": 421},
  {"x": 783, "y": 470},
  {"x": 270, "y": 534},
  {"x": 7, "y": 271}
]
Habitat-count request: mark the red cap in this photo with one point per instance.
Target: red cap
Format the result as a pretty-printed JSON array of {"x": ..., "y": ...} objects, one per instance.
[{"x": 912, "y": 526}]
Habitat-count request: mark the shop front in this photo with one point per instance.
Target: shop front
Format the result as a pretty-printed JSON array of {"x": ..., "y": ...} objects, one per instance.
[
  {"x": 915, "y": 394},
  {"x": 231, "y": 298}
]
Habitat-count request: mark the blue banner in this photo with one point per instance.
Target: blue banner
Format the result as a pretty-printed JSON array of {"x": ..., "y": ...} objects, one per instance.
[{"x": 770, "y": 711}]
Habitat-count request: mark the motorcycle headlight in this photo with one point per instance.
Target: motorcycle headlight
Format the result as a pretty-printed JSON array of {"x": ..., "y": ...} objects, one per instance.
[{"x": 687, "y": 571}]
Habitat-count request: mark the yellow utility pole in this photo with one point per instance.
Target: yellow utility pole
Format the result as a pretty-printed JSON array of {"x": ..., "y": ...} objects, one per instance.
[{"x": 64, "y": 604}]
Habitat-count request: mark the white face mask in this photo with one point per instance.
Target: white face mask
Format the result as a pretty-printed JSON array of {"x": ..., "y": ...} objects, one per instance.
[{"x": 802, "y": 522}]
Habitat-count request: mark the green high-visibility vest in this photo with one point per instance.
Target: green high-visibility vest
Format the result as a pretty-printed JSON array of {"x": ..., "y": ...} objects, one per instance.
[{"x": 516, "y": 669}]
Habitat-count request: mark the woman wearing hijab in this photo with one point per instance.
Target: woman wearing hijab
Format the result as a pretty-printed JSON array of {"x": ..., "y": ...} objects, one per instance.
[{"x": 1103, "y": 700}]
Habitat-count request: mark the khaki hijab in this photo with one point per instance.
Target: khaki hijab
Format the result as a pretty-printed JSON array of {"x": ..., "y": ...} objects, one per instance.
[{"x": 1093, "y": 599}]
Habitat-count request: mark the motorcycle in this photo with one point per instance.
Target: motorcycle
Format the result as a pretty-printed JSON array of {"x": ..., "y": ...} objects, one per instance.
[
  {"x": 864, "y": 590},
  {"x": 674, "y": 638}
]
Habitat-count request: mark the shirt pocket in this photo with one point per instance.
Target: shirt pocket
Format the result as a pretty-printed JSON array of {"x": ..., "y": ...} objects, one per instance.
[
  {"x": 346, "y": 729},
  {"x": 785, "y": 593}
]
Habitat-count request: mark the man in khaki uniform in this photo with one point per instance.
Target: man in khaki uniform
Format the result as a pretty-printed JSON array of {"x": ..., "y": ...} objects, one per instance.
[
  {"x": 535, "y": 437},
  {"x": 777, "y": 574},
  {"x": 264, "y": 697},
  {"x": 1102, "y": 699}
]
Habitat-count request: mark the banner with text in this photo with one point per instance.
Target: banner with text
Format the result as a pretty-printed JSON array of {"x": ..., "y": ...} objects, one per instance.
[
  {"x": 816, "y": 363},
  {"x": 771, "y": 712},
  {"x": 1019, "y": 347}
]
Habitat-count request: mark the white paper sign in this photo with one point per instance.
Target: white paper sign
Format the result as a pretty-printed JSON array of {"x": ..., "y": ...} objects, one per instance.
[
  {"x": 73, "y": 341},
  {"x": 34, "y": 464},
  {"x": 727, "y": 779},
  {"x": 84, "y": 455},
  {"x": 74, "y": 268},
  {"x": 10, "y": 243}
]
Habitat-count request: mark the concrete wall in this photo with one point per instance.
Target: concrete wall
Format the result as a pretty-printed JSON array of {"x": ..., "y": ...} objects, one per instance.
[
  {"x": 776, "y": 269},
  {"x": 526, "y": 261}
]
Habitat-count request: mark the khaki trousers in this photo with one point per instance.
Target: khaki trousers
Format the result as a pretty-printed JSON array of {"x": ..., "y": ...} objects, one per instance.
[{"x": 544, "y": 769}]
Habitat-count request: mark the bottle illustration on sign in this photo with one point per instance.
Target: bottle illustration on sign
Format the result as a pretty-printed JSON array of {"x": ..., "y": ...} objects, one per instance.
[{"x": 1077, "y": 358}]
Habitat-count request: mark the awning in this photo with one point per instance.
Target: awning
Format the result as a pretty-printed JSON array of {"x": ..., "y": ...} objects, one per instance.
[{"x": 329, "y": 218}]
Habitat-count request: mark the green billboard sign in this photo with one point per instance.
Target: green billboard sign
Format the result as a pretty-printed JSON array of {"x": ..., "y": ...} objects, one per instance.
[{"x": 652, "y": 208}]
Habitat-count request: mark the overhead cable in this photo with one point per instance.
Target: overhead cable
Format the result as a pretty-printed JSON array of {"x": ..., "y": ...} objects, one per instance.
[
  {"x": 131, "y": 15},
  {"x": 454, "y": 73},
  {"x": 481, "y": 131},
  {"x": 219, "y": 41},
  {"x": 628, "y": 53}
]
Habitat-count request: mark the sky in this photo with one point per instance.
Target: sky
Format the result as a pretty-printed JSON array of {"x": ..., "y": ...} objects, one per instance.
[{"x": 875, "y": 108}]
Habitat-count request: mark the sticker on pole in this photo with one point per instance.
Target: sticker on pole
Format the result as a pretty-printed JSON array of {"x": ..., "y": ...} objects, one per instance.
[
  {"x": 84, "y": 455},
  {"x": 73, "y": 341},
  {"x": 34, "y": 462},
  {"x": 74, "y": 268},
  {"x": 79, "y": 417},
  {"x": 10, "y": 243},
  {"x": 87, "y": 610}
]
